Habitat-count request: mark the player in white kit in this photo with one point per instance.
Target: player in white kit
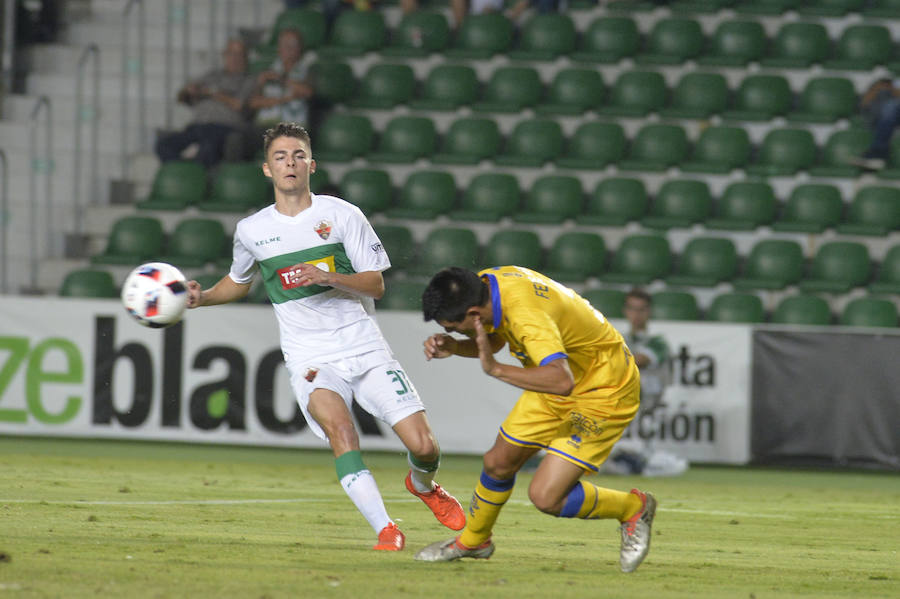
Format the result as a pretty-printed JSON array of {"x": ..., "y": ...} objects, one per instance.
[{"x": 321, "y": 263}]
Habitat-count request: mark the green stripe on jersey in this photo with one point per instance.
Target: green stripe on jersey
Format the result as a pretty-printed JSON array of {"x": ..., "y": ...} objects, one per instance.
[{"x": 332, "y": 253}]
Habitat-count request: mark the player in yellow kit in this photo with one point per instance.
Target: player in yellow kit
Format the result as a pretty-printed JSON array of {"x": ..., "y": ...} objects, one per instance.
[{"x": 582, "y": 388}]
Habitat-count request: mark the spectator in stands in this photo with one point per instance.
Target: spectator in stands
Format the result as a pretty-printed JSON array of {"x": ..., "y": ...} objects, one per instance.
[
  {"x": 218, "y": 101},
  {"x": 461, "y": 8},
  {"x": 283, "y": 92},
  {"x": 880, "y": 106}
]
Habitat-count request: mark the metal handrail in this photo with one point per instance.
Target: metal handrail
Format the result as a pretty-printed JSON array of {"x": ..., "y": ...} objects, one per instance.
[
  {"x": 42, "y": 105},
  {"x": 82, "y": 111},
  {"x": 127, "y": 63},
  {"x": 8, "y": 51},
  {"x": 4, "y": 222}
]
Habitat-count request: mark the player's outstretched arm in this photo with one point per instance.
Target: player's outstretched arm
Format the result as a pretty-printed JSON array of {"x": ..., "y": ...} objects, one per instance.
[
  {"x": 223, "y": 292},
  {"x": 441, "y": 345}
]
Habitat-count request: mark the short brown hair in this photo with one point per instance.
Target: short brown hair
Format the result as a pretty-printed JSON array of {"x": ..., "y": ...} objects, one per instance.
[
  {"x": 285, "y": 129},
  {"x": 638, "y": 293}
]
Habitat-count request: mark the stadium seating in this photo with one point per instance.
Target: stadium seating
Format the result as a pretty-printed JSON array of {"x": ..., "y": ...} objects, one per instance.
[
  {"x": 771, "y": 264},
  {"x": 335, "y": 83},
  {"x": 469, "y": 140},
  {"x": 425, "y": 195},
  {"x": 399, "y": 245},
  {"x": 609, "y": 302},
  {"x": 355, "y": 32},
  {"x": 573, "y": 91},
  {"x": 697, "y": 96},
  {"x": 237, "y": 187},
  {"x": 636, "y": 94},
  {"x": 545, "y": 37},
  {"x": 674, "y": 305},
  {"x": 862, "y": 47},
  {"x": 735, "y": 44},
  {"x": 737, "y": 308},
  {"x": 837, "y": 267},
  {"x": 679, "y": 203},
  {"x": 705, "y": 262},
  {"x": 368, "y": 188},
  {"x": 803, "y": 310},
  {"x": 869, "y": 312},
  {"x": 402, "y": 295},
  {"x": 639, "y": 259},
  {"x": 875, "y": 210},
  {"x": 655, "y": 148},
  {"x": 672, "y": 41},
  {"x": 825, "y": 100},
  {"x": 838, "y": 150},
  {"x": 88, "y": 282},
  {"x": 176, "y": 186},
  {"x": 744, "y": 206},
  {"x": 593, "y": 145},
  {"x": 510, "y": 89},
  {"x": 532, "y": 143},
  {"x": 385, "y": 86},
  {"x": 320, "y": 181},
  {"x": 405, "y": 139},
  {"x": 798, "y": 45},
  {"x": 887, "y": 278},
  {"x": 760, "y": 98},
  {"x": 615, "y": 202},
  {"x": 195, "y": 242},
  {"x": 447, "y": 87},
  {"x": 481, "y": 36},
  {"x": 488, "y": 198},
  {"x": 309, "y": 22},
  {"x": 719, "y": 150},
  {"x": 608, "y": 39},
  {"x": 811, "y": 208},
  {"x": 419, "y": 33},
  {"x": 551, "y": 200},
  {"x": 829, "y": 8},
  {"x": 512, "y": 246},
  {"x": 343, "y": 137},
  {"x": 784, "y": 152},
  {"x": 883, "y": 9},
  {"x": 131, "y": 241},
  {"x": 449, "y": 246},
  {"x": 576, "y": 256}
]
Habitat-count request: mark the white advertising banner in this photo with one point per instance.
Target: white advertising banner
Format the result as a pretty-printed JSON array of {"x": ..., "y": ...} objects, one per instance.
[{"x": 84, "y": 368}]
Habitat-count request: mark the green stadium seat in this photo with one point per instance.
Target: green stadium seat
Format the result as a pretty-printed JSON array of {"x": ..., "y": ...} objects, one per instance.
[
  {"x": 608, "y": 39},
  {"x": 825, "y": 100},
  {"x": 811, "y": 208},
  {"x": 760, "y": 98},
  {"x": 837, "y": 267},
  {"x": 385, "y": 86},
  {"x": 705, "y": 262},
  {"x": 874, "y": 210},
  {"x": 839, "y": 149},
  {"x": 829, "y": 8},
  {"x": 672, "y": 41},
  {"x": 448, "y": 246},
  {"x": 510, "y": 89},
  {"x": 532, "y": 143},
  {"x": 309, "y": 22},
  {"x": 891, "y": 171},
  {"x": 343, "y": 137},
  {"x": 798, "y": 46},
  {"x": 545, "y": 37},
  {"x": 510, "y": 246},
  {"x": 132, "y": 240},
  {"x": 425, "y": 195},
  {"x": 195, "y": 242},
  {"x": 887, "y": 279},
  {"x": 803, "y": 310},
  {"x": 735, "y": 44},
  {"x": 699, "y": 6},
  {"x": 88, "y": 282},
  {"x": 869, "y": 312},
  {"x": 737, "y": 308},
  {"x": 744, "y": 206},
  {"x": 419, "y": 33},
  {"x": 679, "y": 203},
  {"x": 640, "y": 259},
  {"x": 697, "y": 96},
  {"x": 593, "y": 145},
  {"x": 469, "y": 140},
  {"x": 784, "y": 152},
  {"x": 320, "y": 181},
  {"x": 355, "y": 32},
  {"x": 238, "y": 187},
  {"x": 488, "y": 198},
  {"x": 719, "y": 150},
  {"x": 552, "y": 199},
  {"x": 405, "y": 139},
  {"x": 398, "y": 242},
  {"x": 771, "y": 264},
  {"x": 655, "y": 148},
  {"x": 636, "y": 94},
  {"x": 481, "y": 36},
  {"x": 402, "y": 295},
  {"x": 573, "y": 92},
  {"x": 369, "y": 189},
  {"x": 609, "y": 302},
  {"x": 575, "y": 257},
  {"x": 334, "y": 82},
  {"x": 632, "y": 6},
  {"x": 882, "y": 9},
  {"x": 862, "y": 47},
  {"x": 674, "y": 305},
  {"x": 447, "y": 87},
  {"x": 176, "y": 186},
  {"x": 773, "y": 8},
  {"x": 616, "y": 201}
]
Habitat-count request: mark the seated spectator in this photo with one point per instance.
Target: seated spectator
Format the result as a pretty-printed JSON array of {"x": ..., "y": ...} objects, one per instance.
[
  {"x": 218, "y": 101},
  {"x": 283, "y": 91},
  {"x": 880, "y": 106}
]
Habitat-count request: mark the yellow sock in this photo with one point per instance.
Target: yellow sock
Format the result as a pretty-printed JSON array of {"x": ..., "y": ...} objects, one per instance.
[
  {"x": 590, "y": 502},
  {"x": 487, "y": 501}
]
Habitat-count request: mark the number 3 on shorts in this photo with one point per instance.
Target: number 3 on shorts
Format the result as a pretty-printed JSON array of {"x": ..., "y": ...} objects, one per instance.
[{"x": 398, "y": 377}]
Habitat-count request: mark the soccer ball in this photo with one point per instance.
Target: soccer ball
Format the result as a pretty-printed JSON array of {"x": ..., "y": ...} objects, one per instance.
[{"x": 155, "y": 294}]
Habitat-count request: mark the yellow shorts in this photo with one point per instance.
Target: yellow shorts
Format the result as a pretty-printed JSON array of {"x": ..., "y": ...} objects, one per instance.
[{"x": 580, "y": 429}]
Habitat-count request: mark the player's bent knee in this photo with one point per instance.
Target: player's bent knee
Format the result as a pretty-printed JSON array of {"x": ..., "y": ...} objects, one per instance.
[{"x": 545, "y": 501}]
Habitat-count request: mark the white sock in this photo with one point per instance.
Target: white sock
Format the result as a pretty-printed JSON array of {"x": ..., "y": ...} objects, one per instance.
[
  {"x": 363, "y": 492},
  {"x": 421, "y": 479}
]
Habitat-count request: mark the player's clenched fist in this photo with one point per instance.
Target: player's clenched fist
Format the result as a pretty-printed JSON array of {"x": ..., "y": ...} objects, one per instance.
[{"x": 440, "y": 345}]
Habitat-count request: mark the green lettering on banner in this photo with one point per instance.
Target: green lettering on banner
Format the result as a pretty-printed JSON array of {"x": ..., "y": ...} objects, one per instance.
[
  {"x": 36, "y": 376},
  {"x": 18, "y": 349}
]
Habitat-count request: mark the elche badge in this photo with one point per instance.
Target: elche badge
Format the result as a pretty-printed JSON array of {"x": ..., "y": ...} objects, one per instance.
[{"x": 323, "y": 228}]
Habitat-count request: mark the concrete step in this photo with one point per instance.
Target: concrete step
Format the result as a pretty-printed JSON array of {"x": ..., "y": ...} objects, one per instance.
[
  {"x": 19, "y": 107},
  {"x": 66, "y": 58},
  {"x": 200, "y": 12}
]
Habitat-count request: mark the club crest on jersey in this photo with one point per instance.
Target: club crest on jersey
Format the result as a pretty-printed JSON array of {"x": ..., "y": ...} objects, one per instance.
[{"x": 323, "y": 228}]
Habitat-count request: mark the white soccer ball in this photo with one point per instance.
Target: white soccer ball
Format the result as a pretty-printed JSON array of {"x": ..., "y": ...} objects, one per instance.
[{"x": 155, "y": 294}]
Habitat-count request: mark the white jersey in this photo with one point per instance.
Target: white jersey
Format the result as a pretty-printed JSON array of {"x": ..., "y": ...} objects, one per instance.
[{"x": 316, "y": 322}]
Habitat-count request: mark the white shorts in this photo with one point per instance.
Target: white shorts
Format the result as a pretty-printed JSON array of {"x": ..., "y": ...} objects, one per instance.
[{"x": 374, "y": 379}]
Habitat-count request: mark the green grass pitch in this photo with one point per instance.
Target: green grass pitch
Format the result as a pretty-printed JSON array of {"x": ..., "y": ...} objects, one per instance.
[{"x": 85, "y": 518}]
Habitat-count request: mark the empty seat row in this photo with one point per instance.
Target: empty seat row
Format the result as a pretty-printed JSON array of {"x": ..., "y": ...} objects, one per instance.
[
  {"x": 236, "y": 187},
  {"x": 889, "y": 9},
  {"x": 577, "y": 90},
  {"x": 606, "y": 39}
]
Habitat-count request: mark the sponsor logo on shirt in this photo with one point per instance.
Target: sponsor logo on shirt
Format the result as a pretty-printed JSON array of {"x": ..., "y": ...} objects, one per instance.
[
  {"x": 263, "y": 242},
  {"x": 377, "y": 248},
  {"x": 290, "y": 275},
  {"x": 323, "y": 228}
]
